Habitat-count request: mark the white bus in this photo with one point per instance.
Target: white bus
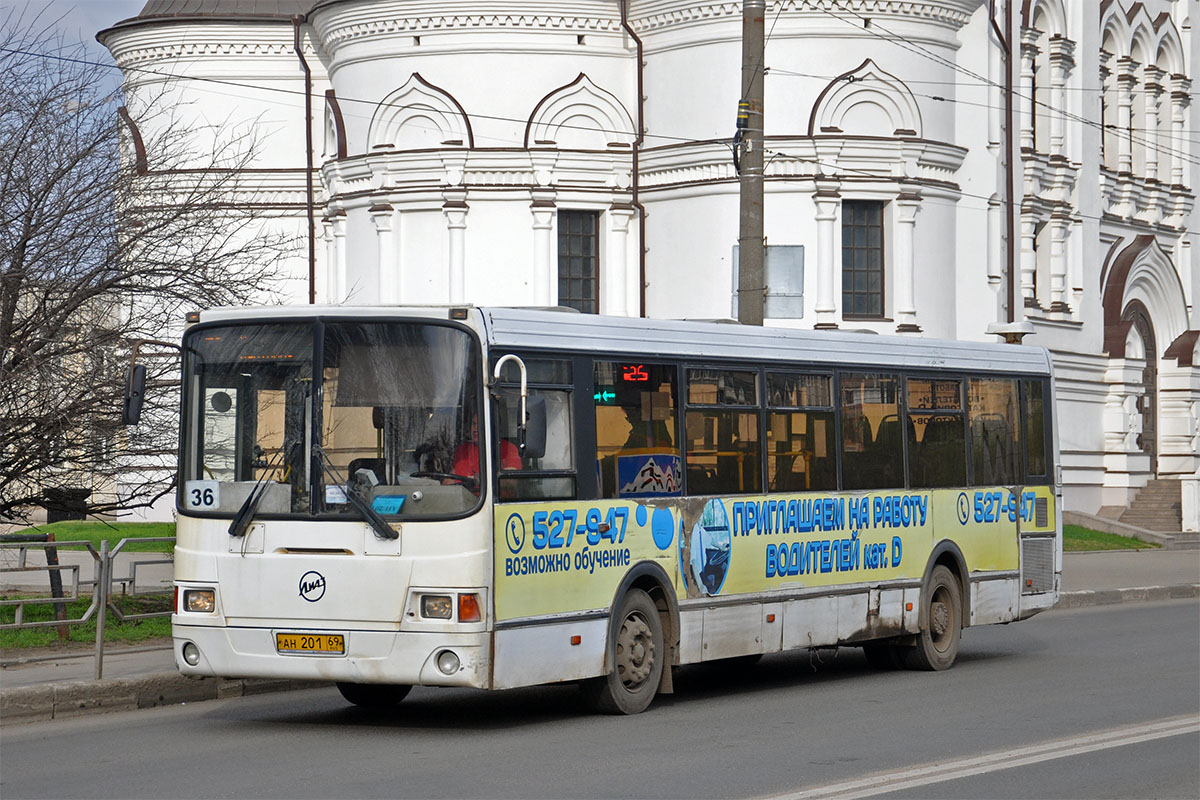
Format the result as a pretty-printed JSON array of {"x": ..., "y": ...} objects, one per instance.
[{"x": 495, "y": 497}]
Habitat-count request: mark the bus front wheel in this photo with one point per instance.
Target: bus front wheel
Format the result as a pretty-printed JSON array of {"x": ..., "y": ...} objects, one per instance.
[
  {"x": 373, "y": 695},
  {"x": 636, "y": 653},
  {"x": 937, "y": 643}
]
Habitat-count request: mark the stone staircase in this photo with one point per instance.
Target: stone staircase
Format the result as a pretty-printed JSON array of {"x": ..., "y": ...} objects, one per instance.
[{"x": 1156, "y": 507}]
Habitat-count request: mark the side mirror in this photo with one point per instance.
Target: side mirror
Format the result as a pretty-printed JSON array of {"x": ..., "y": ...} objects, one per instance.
[
  {"x": 135, "y": 391},
  {"x": 535, "y": 428}
]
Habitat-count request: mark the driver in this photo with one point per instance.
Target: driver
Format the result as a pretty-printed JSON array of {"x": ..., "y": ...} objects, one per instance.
[{"x": 466, "y": 455}]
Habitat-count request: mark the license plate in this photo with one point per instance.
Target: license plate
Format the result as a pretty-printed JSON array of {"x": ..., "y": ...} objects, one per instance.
[{"x": 329, "y": 644}]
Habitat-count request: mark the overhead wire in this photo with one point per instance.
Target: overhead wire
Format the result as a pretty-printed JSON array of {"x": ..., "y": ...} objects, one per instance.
[{"x": 895, "y": 39}]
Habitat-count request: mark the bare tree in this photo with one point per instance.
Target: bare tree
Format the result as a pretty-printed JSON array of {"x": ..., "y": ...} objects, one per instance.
[{"x": 107, "y": 239}]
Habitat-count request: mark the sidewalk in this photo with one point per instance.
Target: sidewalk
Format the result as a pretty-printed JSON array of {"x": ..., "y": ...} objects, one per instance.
[{"x": 145, "y": 678}]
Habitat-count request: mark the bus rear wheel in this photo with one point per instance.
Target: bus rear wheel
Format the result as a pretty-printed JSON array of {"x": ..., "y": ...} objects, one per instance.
[
  {"x": 373, "y": 695},
  {"x": 636, "y": 653},
  {"x": 937, "y": 644}
]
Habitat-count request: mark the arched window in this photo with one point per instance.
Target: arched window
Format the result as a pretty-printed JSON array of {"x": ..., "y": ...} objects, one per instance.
[
  {"x": 418, "y": 116},
  {"x": 580, "y": 116}
]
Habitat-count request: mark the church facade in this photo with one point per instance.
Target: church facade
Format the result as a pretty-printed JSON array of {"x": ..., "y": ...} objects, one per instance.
[{"x": 580, "y": 154}]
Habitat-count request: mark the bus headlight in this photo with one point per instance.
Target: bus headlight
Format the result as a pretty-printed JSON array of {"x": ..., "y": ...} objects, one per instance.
[
  {"x": 191, "y": 654},
  {"x": 436, "y": 606},
  {"x": 447, "y": 662},
  {"x": 200, "y": 601}
]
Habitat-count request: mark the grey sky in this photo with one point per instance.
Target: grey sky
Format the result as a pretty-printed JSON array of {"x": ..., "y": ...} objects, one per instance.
[{"x": 79, "y": 20}]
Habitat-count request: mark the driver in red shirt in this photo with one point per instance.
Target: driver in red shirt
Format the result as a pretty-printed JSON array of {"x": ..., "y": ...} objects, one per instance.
[{"x": 466, "y": 455}]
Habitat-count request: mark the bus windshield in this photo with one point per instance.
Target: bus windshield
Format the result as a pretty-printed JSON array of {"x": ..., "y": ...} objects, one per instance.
[{"x": 389, "y": 415}]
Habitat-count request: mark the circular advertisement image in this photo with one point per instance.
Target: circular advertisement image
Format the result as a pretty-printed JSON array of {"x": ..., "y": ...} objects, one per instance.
[{"x": 706, "y": 552}]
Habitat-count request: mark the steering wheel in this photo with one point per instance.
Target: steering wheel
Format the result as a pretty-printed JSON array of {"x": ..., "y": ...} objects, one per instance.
[{"x": 467, "y": 481}]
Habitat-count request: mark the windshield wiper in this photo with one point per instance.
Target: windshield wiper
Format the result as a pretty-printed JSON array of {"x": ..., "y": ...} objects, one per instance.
[
  {"x": 354, "y": 496},
  {"x": 245, "y": 514}
]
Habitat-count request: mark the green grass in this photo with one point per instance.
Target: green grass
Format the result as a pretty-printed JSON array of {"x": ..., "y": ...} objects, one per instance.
[
  {"x": 114, "y": 532},
  {"x": 1077, "y": 539},
  {"x": 42, "y": 608}
]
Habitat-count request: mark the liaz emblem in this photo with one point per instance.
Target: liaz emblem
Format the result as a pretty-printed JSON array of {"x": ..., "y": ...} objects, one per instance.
[{"x": 312, "y": 586}]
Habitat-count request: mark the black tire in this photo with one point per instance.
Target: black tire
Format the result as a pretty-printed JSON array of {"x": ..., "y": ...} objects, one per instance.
[
  {"x": 883, "y": 655},
  {"x": 373, "y": 695},
  {"x": 937, "y": 644},
  {"x": 636, "y": 652}
]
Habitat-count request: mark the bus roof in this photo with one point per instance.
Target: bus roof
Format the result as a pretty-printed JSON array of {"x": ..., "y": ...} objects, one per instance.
[
  {"x": 564, "y": 330},
  {"x": 552, "y": 330}
]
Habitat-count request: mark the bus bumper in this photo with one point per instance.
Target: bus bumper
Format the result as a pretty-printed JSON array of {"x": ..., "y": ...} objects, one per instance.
[{"x": 409, "y": 658}]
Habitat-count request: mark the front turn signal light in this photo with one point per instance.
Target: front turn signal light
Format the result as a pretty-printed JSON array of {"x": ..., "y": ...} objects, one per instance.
[
  {"x": 199, "y": 601},
  {"x": 468, "y": 608}
]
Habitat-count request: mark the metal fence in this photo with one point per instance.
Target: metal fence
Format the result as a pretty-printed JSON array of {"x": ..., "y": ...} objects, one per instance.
[{"x": 113, "y": 576}]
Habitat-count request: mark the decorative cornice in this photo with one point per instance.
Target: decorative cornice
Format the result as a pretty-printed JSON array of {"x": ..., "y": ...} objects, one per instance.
[
  {"x": 337, "y": 29},
  {"x": 673, "y": 13},
  {"x": 208, "y": 40}
]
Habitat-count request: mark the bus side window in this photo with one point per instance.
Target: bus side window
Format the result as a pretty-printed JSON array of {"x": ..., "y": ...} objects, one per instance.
[
  {"x": 553, "y": 475},
  {"x": 872, "y": 443},
  {"x": 723, "y": 448},
  {"x": 636, "y": 451},
  {"x": 800, "y": 446},
  {"x": 937, "y": 445},
  {"x": 1036, "y": 460},
  {"x": 995, "y": 432}
]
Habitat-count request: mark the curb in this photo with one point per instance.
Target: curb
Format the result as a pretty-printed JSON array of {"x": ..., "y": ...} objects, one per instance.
[
  {"x": 1104, "y": 597},
  {"x": 80, "y": 698}
]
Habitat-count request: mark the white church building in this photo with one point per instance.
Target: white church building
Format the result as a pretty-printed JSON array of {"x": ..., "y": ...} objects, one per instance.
[{"x": 578, "y": 153}]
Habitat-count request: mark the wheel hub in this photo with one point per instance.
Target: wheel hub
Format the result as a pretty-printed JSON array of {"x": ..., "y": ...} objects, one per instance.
[
  {"x": 939, "y": 619},
  {"x": 635, "y": 651}
]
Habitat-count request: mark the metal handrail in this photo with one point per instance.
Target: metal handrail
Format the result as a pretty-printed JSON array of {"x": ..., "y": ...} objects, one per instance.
[{"x": 100, "y": 587}]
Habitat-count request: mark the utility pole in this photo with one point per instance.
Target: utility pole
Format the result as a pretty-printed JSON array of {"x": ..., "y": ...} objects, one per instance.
[{"x": 751, "y": 274}]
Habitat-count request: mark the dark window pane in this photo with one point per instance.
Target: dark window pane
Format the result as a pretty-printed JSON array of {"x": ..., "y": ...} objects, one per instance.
[
  {"x": 937, "y": 454},
  {"x": 862, "y": 258},
  {"x": 800, "y": 451},
  {"x": 995, "y": 431},
  {"x": 722, "y": 387},
  {"x": 722, "y": 451},
  {"x": 872, "y": 442},
  {"x": 1035, "y": 429},
  {"x": 799, "y": 391},
  {"x": 579, "y": 260}
]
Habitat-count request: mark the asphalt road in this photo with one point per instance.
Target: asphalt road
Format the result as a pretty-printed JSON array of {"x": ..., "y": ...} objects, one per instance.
[{"x": 1096, "y": 702}]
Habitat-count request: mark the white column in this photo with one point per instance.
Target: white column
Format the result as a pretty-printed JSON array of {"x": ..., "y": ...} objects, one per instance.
[
  {"x": 1058, "y": 262},
  {"x": 337, "y": 256},
  {"x": 1028, "y": 54},
  {"x": 389, "y": 270},
  {"x": 545, "y": 288},
  {"x": 1108, "y": 114},
  {"x": 1122, "y": 423},
  {"x": 1151, "y": 76},
  {"x": 995, "y": 258},
  {"x": 1028, "y": 260},
  {"x": 1062, "y": 61},
  {"x": 456, "y": 225},
  {"x": 1126, "y": 80},
  {"x": 906, "y": 208},
  {"x": 1180, "y": 99},
  {"x": 325, "y": 273},
  {"x": 827, "y": 201},
  {"x": 617, "y": 274}
]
